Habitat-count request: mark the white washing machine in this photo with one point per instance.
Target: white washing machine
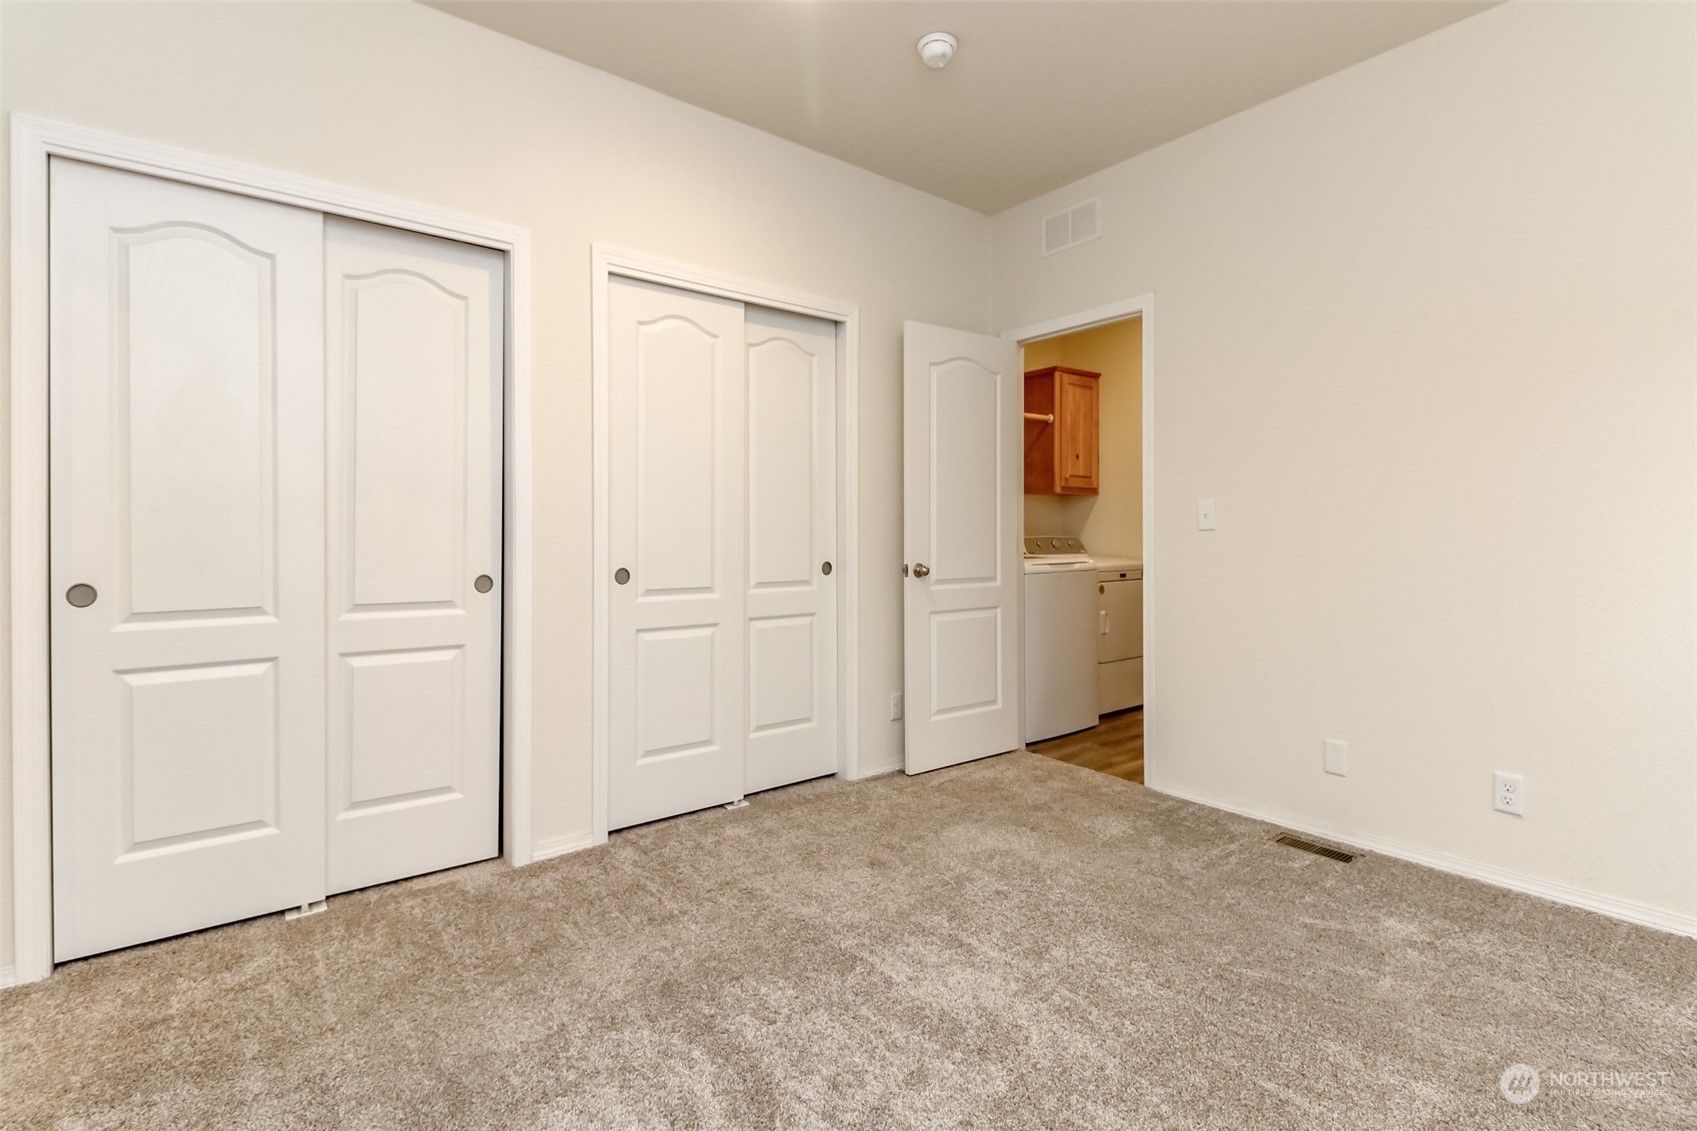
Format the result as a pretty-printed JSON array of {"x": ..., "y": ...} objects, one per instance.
[
  {"x": 1119, "y": 651},
  {"x": 1060, "y": 637}
]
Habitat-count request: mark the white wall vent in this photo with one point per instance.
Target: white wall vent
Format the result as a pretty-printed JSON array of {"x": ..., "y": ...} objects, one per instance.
[{"x": 1078, "y": 224}]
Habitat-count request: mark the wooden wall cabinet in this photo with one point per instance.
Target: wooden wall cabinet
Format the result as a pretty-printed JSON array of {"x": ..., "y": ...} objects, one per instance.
[{"x": 1063, "y": 458}]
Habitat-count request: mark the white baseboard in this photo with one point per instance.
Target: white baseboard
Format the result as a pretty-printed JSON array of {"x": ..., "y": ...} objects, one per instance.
[
  {"x": 561, "y": 846},
  {"x": 1659, "y": 918},
  {"x": 876, "y": 771},
  {"x": 8, "y": 976}
]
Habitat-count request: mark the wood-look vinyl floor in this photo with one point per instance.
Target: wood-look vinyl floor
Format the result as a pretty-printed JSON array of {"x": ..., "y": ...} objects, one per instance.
[{"x": 1114, "y": 746}]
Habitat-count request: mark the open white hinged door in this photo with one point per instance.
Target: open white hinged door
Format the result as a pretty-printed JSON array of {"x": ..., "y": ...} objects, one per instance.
[{"x": 962, "y": 493}]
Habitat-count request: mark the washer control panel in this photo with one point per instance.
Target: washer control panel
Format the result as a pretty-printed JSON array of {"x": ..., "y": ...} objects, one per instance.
[{"x": 1046, "y": 544}]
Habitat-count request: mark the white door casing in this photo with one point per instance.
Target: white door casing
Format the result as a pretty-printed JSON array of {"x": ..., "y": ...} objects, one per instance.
[
  {"x": 962, "y": 484},
  {"x": 676, "y": 490},
  {"x": 792, "y": 535},
  {"x": 187, "y": 490},
  {"x": 413, "y": 328}
]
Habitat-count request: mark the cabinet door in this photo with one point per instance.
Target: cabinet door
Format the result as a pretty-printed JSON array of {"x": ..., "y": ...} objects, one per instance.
[
  {"x": 1077, "y": 418},
  {"x": 1119, "y": 620}
]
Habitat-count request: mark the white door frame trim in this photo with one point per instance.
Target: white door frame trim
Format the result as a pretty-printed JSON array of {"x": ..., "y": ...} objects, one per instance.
[
  {"x": 607, "y": 262},
  {"x": 1143, "y": 306},
  {"x": 34, "y": 141}
]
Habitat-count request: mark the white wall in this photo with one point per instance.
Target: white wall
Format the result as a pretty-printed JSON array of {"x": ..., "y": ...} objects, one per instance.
[
  {"x": 400, "y": 99},
  {"x": 1427, "y": 332}
]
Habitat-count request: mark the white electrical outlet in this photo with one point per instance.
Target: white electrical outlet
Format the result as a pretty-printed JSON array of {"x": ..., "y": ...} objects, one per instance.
[
  {"x": 895, "y": 706},
  {"x": 1337, "y": 757},
  {"x": 1508, "y": 793}
]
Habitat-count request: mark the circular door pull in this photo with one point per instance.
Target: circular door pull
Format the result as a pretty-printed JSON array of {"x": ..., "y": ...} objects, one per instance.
[
  {"x": 920, "y": 569},
  {"x": 622, "y": 576},
  {"x": 484, "y": 583},
  {"x": 825, "y": 569},
  {"x": 81, "y": 596}
]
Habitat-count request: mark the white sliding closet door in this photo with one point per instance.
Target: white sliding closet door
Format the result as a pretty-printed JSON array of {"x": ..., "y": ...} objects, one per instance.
[
  {"x": 275, "y": 555},
  {"x": 187, "y": 557},
  {"x": 676, "y": 536},
  {"x": 792, "y": 537},
  {"x": 414, "y": 347}
]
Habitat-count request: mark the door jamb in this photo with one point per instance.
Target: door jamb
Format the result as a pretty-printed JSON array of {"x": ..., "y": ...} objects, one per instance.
[
  {"x": 1143, "y": 306},
  {"x": 606, "y": 262},
  {"x": 34, "y": 141}
]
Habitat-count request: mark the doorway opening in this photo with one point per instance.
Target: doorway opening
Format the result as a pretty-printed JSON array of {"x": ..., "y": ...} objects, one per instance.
[{"x": 1086, "y": 532}]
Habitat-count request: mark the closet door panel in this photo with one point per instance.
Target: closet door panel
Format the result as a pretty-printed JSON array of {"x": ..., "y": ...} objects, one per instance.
[
  {"x": 406, "y": 368},
  {"x": 792, "y": 612},
  {"x": 414, "y": 330},
  {"x": 187, "y": 596},
  {"x": 677, "y": 483}
]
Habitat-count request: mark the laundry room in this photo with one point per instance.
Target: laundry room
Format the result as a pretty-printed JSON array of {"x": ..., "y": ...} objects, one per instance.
[{"x": 1083, "y": 547}]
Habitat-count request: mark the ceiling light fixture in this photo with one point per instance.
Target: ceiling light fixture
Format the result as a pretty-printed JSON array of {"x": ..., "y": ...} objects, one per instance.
[{"x": 937, "y": 48}]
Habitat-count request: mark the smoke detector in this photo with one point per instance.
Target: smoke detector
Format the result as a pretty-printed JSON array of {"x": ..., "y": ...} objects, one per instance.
[{"x": 937, "y": 48}]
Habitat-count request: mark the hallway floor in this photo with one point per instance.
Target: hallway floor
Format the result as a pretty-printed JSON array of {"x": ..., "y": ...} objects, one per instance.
[{"x": 1113, "y": 746}]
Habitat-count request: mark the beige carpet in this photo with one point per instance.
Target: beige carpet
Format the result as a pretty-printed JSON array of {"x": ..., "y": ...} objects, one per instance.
[{"x": 1015, "y": 943}]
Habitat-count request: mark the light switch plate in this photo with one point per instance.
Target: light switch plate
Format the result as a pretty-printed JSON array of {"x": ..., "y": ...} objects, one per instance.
[
  {"x": 1205, "y": 514},
  {"x": 1337, "y": 757}
]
